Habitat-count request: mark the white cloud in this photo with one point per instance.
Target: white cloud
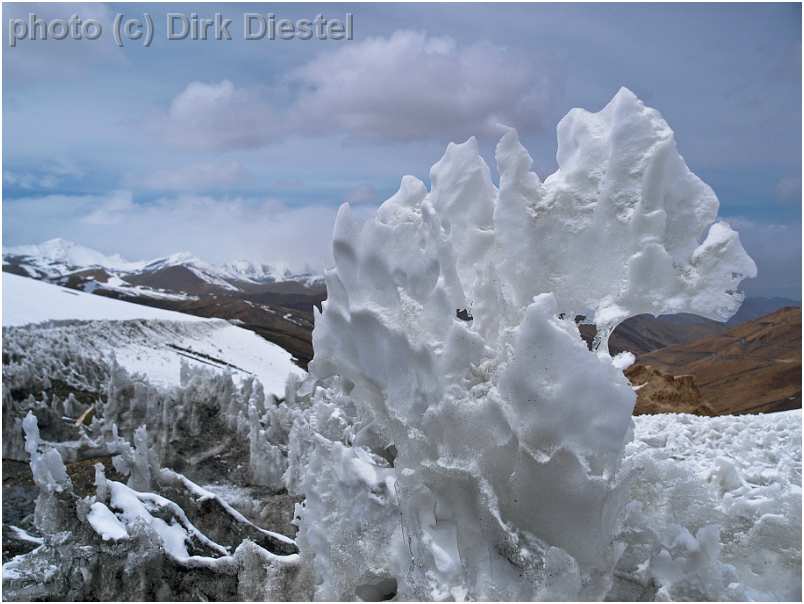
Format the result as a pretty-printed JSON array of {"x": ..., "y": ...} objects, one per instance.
[
  {"x": 788, "y": 189},
  {"x": 111, "y": 210},
  {"x": 220, "y": 117},
  {"x": 412, "y": 85},
  {"x": 409, "y": 86}
]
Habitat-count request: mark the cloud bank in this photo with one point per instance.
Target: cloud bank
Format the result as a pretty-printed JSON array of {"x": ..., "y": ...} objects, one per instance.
[
  {"x": 217, "y": 229},
  {"x": 404, "y": 87}
]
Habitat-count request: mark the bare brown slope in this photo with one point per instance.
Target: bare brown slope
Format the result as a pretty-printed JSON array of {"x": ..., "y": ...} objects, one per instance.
[
  {"x": 754, "y": 367},
  {"x": 173, "y": 278}
]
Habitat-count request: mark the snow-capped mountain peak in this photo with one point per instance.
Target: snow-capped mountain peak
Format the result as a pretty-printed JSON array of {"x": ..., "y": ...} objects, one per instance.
[
  {"x": 177, "y": 259},
  {"x": 69, "y": 253},
  {"x": 255, "y": 271}
]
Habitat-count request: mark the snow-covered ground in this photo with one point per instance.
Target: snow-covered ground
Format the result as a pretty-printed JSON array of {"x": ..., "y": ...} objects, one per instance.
[
  {"x": 739, "y": 451},
  {"x": 715, "y": 499},
  {"x": 143, "y": 339},
  {"x": 57, "y": 255},
  {"x": 30, "y": 301}
]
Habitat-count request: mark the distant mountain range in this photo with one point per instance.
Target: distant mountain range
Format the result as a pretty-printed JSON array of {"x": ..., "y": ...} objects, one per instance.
[
  {"x": 277, "y": 304},
  {"x": 755, "y": 307},
  {"x": 645, "y": 333},
  {"x": 751, "y": 363},
  {"x": 61, "y": 259}
]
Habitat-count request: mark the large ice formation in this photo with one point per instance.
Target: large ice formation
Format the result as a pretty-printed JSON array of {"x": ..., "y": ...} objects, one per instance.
[
  {"x": 455, "y": 438},
  {"x": 463, "y": 441}
]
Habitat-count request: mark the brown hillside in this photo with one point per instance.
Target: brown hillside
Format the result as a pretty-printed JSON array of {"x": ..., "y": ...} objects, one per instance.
[{"x": 754, "y": 367}]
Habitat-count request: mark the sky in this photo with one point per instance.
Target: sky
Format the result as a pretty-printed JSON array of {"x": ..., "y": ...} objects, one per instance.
[{"x": 246, "y": 148}]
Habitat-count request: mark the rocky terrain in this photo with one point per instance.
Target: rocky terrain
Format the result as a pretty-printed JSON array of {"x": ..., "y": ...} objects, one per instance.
[{"x": 659, "y": 392}]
